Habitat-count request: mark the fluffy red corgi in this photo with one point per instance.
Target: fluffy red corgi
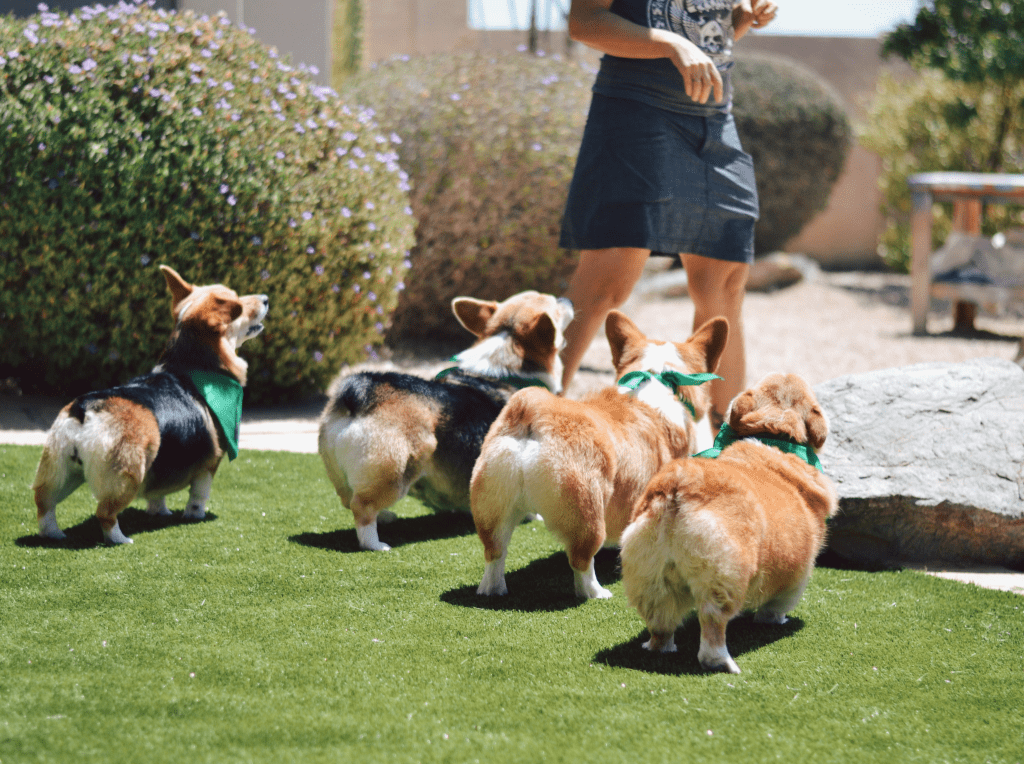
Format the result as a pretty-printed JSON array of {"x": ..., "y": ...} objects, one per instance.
[
  {"x": 582, "y": 464},
  {"x": 386, "y": 434},
  {"x": 739, "y": 531},
  {"x": 163, "y": 431}
]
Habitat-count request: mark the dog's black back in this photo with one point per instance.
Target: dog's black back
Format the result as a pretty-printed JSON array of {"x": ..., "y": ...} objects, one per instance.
[
  {"x": 175, "y": 403},
  {"x": 468, "y": 405}
]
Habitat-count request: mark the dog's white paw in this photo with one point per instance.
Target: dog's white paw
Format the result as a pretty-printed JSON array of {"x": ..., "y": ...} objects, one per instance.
[
  {"x": 493, "y": 582},
  {"x": 368, "y": 540},
  {"x": 157, "y": 507},
  {"x": 728, "y": 666},
  {"x": 586, "y": 585},
  {"x": 716, "y": 659},
  {"x": 491, "y": 590},
  {"x": 194, "y": 512},
  {"x": 115, "y": 536},
  {"x": 49, "y": 529}
]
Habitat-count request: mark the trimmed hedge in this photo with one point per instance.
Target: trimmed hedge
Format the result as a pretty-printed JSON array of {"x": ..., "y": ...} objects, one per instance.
[
  {"x": 796, "y": 129},
  {"x": 131, "y": 137},
  {"x": 489, "y": 142}
]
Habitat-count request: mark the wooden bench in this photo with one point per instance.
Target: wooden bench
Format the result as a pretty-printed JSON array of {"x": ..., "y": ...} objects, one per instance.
[{"x": 968, "y": 191}]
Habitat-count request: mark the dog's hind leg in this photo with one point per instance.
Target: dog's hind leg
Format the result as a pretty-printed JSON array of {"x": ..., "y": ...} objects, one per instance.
[
  {"x": 198, "y": 495},
  {"x": 366, "y": 528},
  {"x": 713, "y": 654},
  {"x": 774, "y": 611},
  {"x": 107, "y": 511},
  {"x": 56, "y": 479},
  {"x": 583, "y": 536},
  {"x": 496, "y": 538},
  {"x": 157, "y": 506}
]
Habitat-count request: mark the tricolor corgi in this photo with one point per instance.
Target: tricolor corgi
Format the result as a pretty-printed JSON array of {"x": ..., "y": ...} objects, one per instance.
[
  {"x": 739, "y": 530},
  {"x": 384, "y": 433},
  {"x": 160, "y": 432},
  {"x": 583, "y": 464}
]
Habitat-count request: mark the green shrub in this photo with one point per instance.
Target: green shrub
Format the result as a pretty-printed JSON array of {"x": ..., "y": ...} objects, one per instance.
[
  {"x": 796, "y": 129},
  {"x": 930, "y": 124},
  {"x": 489, "y": 142},
  {"x": 131, "y": 137}
]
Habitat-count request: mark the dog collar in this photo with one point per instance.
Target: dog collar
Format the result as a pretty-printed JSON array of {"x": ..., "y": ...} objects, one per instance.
[
  {"x": 727, "y": 436},
  {"x": 509, "y": 379},
  {"x": 670, "y": 379},
  {"x": 223, "y": 396}
]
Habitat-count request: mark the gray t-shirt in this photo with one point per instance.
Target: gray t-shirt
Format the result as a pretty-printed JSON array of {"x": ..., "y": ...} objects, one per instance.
[{"x": 656, "y": 81}]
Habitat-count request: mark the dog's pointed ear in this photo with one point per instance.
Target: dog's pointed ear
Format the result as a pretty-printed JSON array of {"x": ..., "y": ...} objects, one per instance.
[
  {"x": 539, "y": 338},
  {"x": 709, "y": 341},
  {"x": 622, "y": 334},
  {"x": 180, "y": 289},
  {"x": 473, "y": 314}
]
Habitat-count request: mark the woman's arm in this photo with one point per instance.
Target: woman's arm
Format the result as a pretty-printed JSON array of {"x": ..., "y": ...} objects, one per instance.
[{"x": 592, "y": 23}]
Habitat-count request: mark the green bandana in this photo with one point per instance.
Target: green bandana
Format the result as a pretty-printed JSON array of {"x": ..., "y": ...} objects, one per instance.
[
  {"x": 727, "y": 436},
  {"x": 223, "y": 394},
  {"x": 670, "y": 379}
]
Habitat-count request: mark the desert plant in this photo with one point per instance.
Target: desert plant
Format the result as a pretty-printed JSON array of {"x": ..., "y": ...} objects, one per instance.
[
  {"x": 489, "y": 142},
  {"x": 934, "y": 123},
  {"x": 131, "y": 137},
  {"x": 796, "y": 129}
]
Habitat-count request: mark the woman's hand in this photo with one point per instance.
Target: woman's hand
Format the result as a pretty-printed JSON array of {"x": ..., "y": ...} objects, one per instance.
[
  {"x": 752, "y": 13},
  {"x": 592, "y": 23},
  {"x": 701, "y": 78}
]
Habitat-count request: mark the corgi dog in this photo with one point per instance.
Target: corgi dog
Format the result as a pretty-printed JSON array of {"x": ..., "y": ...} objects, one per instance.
[
  {"x": 582, "y": 464},
  {"x": 383, "y": 434},
  {"x": 738, "y": 531},
  {"x": 162, "y": 431}
]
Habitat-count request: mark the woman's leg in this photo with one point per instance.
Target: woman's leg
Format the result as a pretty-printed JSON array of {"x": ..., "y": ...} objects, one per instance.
[
  {"x": 603, "y": 280},
  {"x": 717, "y": 288}
]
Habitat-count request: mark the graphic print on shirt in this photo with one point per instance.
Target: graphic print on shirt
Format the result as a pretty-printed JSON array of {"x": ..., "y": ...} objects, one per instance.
[{"x": 707, "y": 23}]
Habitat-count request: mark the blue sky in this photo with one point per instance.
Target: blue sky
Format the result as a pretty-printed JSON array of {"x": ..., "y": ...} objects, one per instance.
[{"x": 830, "y": 18}]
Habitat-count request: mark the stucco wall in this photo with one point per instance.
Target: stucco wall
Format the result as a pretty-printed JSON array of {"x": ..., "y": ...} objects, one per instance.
[{"x": 299, "y": 28}]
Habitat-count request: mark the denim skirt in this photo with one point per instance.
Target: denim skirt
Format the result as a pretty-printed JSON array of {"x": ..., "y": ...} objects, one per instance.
[{"x": 659, "y": 180}]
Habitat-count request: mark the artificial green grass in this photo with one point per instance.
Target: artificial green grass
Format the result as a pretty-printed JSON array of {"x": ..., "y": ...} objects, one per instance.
[{"x": 263, "y": 634}]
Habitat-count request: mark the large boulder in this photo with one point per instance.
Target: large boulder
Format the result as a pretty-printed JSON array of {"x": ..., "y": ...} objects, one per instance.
[{"x": 929, "y": 463}]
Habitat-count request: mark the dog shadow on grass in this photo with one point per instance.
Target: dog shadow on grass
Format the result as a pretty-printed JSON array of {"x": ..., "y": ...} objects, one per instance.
[
  {"x": 545, "y": 585},
  {"x": 399, "y": 532},
  {"x": 88, "y": 534},
  {"x": 743, "y": 636}
]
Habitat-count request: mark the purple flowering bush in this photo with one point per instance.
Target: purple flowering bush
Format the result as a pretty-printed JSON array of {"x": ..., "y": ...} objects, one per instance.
[
  {"x": 489, "y": 141},
  {"x": 131, "y": 137}
]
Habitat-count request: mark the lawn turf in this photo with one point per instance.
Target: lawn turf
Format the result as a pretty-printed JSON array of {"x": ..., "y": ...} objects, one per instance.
[{"x": 263, "y": 634}]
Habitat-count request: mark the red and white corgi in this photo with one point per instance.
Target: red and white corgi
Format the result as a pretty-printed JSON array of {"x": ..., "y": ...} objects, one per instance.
[
  {"x": 386, "y": 434},
  {"x": 582, "y": 464},
  {"x": 160, "y": 432},
  {"x": 739, "y": 531}
]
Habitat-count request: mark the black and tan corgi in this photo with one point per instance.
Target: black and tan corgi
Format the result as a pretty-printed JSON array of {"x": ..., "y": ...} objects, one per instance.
[
  {"x": 160, "y": 432},
  {"x": 384, "y": 433}
]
